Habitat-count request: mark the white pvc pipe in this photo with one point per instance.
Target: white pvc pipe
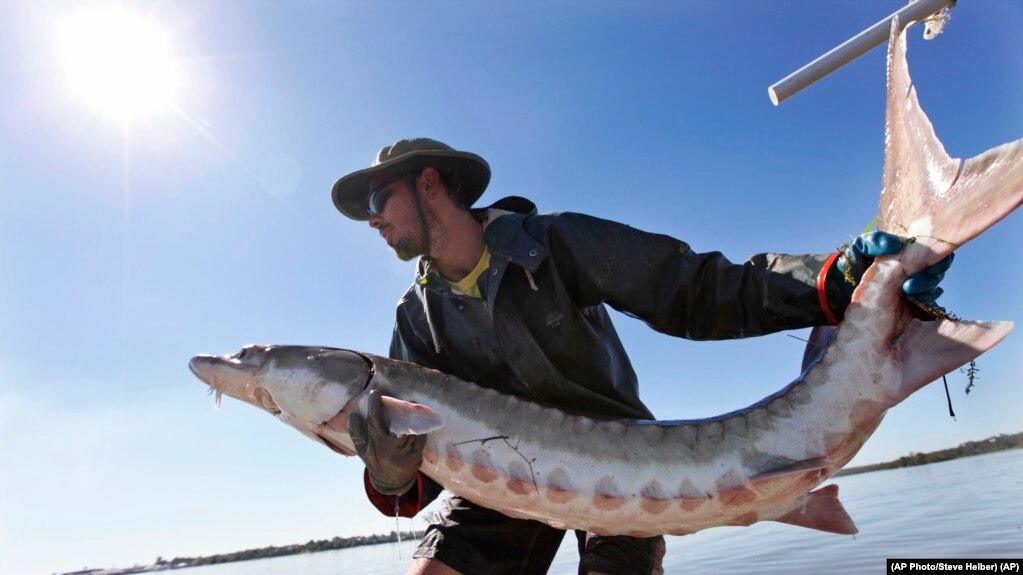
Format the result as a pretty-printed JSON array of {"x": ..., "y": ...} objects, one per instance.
[{"x": 852, "y": 49}]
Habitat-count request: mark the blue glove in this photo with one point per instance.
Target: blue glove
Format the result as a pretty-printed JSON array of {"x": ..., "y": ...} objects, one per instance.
[
  {"x": 857, "y": 256},
  {"x": 923, "y": 287}
]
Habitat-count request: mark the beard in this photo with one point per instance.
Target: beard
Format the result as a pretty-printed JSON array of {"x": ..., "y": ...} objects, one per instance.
[
  {"x": 407, "y": 250},
  {"x": 415, "y": 243}
]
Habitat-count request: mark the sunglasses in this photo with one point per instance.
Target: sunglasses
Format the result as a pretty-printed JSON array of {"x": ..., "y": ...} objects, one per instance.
[{"x": 378, "y": 197}]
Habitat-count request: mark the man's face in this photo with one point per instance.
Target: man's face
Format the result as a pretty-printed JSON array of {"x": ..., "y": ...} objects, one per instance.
[{"x": 396, "y": 217}]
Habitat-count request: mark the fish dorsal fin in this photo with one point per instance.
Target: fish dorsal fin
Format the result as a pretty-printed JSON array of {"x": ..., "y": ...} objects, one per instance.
[
  {"x": 820, "y": 510},
  {"x": 407, "y": 418}
]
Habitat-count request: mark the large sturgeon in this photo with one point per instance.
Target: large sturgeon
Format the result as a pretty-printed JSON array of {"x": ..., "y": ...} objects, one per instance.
[{"x": 644, "y": 478}]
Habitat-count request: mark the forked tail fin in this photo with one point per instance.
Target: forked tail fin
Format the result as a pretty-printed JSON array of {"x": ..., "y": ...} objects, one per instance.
[
  {"x": 927, "y": 195},
  {"x": 931, "y": 349}
]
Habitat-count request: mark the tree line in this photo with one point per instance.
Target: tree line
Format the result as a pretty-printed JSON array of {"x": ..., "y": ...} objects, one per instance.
[
  {"x": 989, "y": 445},
  {"x": 265, "y": 552}
]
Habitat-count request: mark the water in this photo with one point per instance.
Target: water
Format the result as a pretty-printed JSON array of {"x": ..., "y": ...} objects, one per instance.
[{"x": 970, "y": 507}]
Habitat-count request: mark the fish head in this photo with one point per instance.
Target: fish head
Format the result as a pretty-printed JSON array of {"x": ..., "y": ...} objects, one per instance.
[{"x": 297, "y": 384}]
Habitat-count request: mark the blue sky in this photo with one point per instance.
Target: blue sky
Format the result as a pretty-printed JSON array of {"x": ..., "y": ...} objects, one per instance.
[{"x": 129, "y": 245}]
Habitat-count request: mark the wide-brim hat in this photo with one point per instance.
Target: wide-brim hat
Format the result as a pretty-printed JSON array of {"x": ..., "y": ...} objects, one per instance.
[{"x": 351, "y": 192}]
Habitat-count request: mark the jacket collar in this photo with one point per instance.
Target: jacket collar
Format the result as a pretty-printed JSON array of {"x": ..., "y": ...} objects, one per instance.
[{"x": 506, "y": 236}]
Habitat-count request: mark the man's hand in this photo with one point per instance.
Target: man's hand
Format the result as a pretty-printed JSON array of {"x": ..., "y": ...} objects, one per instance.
[
  {"x": 923, "y": 287},
  {"x": 392, "y": 461},
  {"x": 857, "y": 256}
]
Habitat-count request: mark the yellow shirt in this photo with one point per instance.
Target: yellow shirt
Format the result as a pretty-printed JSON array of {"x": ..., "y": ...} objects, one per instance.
[{"x": 468, "y": 285}]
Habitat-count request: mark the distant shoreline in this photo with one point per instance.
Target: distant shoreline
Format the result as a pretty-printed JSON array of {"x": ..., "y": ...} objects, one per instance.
[
  {"x": 311, "y": 546},
  {"x": 990, "y": 445}
]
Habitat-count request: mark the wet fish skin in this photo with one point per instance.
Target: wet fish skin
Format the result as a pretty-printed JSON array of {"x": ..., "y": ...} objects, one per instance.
[{"x": 641, "y": 478}]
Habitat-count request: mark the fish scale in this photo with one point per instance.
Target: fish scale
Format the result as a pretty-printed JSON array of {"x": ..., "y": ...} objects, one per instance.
[{"x": 643, "y": 478}]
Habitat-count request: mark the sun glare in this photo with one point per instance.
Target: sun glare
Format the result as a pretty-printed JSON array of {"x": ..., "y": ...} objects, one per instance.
[{"x": 117, "y": 61}]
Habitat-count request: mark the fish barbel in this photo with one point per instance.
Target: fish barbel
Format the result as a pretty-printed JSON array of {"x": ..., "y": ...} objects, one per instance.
[{"x": 643, "y": 478}]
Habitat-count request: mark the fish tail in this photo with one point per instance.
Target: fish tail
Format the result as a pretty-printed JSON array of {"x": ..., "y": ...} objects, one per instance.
[{"x": 939, "y": 201}]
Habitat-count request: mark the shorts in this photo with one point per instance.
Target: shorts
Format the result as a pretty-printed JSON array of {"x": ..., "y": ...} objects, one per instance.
[{"x": 478, "y": 541}]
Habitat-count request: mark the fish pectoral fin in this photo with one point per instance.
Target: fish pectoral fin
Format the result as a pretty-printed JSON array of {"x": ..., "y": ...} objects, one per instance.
[
  {"x": 820, "y": 510},
  {"x": 407, "y": 418}
]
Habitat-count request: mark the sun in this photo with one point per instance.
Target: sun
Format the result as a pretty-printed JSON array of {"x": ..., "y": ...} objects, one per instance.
[{"x": 117, "y": 61}]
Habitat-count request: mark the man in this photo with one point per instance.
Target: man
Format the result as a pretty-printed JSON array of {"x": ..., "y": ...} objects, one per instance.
[{"x": 516, "y": 301}]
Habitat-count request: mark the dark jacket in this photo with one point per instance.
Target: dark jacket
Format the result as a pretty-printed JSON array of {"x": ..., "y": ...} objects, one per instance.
[{"x": 542, "y": 329}]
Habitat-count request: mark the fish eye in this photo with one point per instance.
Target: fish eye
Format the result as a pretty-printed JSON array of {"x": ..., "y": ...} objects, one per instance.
[
  {"x": 247, "y": 351},
  {"x": 244, "y": 352}
]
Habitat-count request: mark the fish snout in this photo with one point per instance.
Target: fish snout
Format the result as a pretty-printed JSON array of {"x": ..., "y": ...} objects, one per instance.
[
  {"x": 249, "y": 358},
  {"x": 204, "y": 368},
  {"x": 200, "y": 367}
]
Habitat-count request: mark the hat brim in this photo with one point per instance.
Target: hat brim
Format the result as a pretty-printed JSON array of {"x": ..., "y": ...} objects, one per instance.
[{"x": 351, "y": 192}]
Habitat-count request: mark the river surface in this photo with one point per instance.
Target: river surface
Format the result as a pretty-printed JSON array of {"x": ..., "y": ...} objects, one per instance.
[{"x": 966, "y": 508}]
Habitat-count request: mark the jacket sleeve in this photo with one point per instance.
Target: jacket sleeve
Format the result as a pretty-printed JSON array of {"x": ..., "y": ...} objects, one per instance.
[
  {"x": 675, "y": 290},
  {"x": 410, "y": 503},
  {"x": 407, "y": 346}
]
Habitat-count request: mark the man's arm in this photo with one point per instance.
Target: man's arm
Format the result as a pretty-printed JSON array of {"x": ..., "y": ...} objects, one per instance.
[
  {"x": 660, "y": 280},
  {"x": 678, "y": 291}
]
